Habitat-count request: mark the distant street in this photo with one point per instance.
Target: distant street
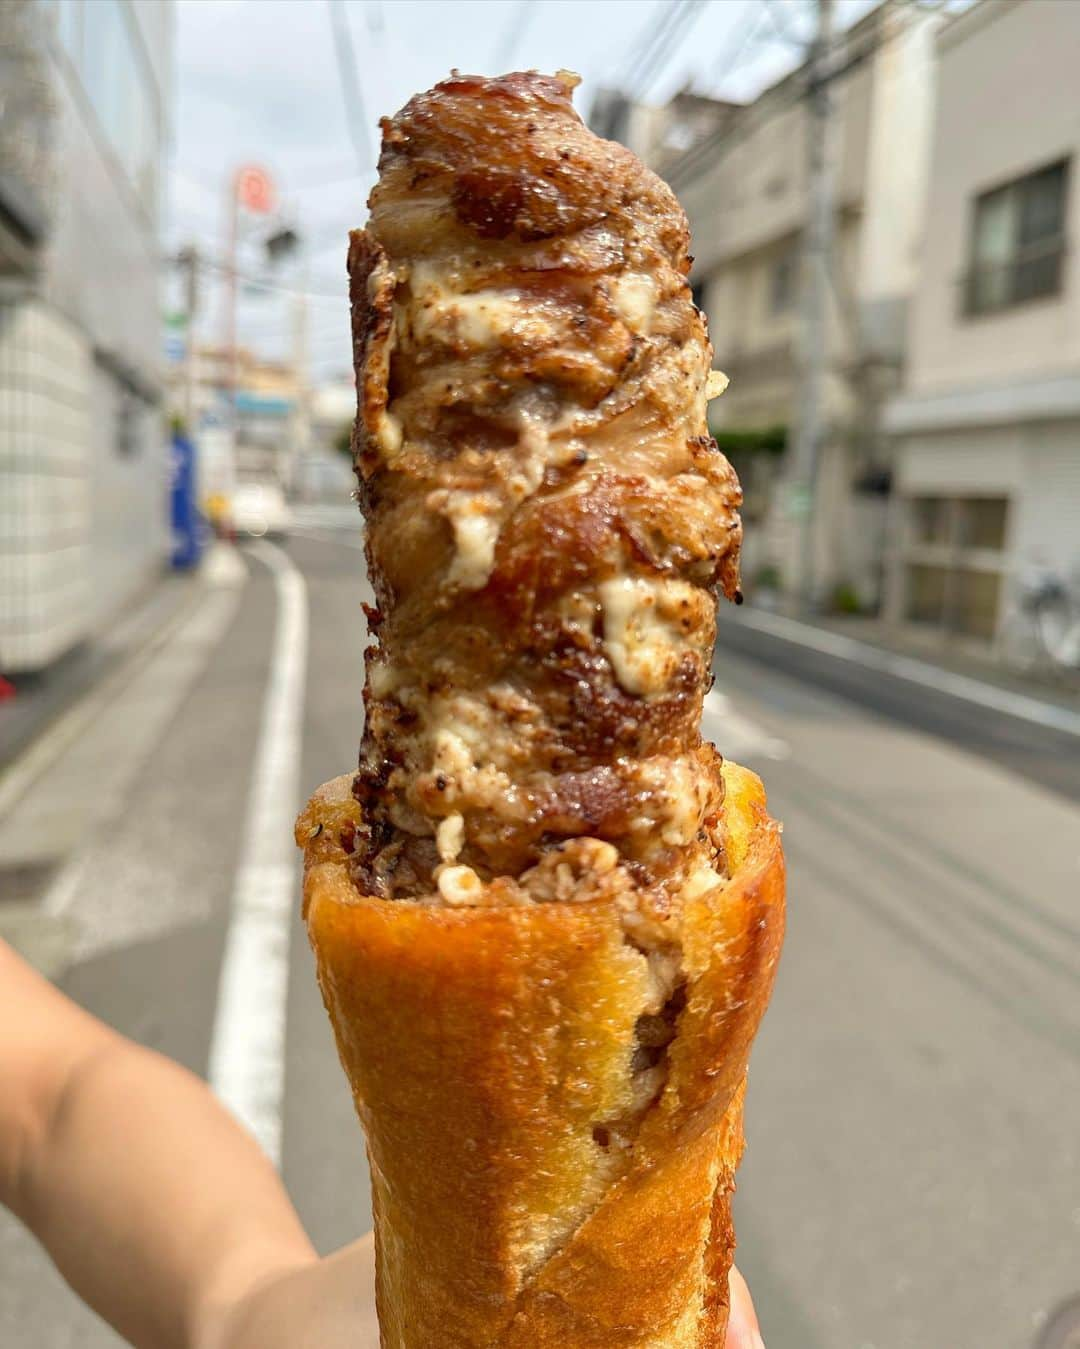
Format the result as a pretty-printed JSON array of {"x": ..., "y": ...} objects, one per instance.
[{"x": 912, "y": 1176}]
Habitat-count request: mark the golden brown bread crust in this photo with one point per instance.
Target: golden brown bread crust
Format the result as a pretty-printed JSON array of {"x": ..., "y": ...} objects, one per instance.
[
  {"x": 487, "y": 1046},
  {"x": 548, "y": 520}
]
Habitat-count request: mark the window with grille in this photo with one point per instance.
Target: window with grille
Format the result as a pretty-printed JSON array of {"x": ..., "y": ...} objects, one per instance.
[
  {"x": 954, "y": 560},
  {"x": 1017, "y": 241}
]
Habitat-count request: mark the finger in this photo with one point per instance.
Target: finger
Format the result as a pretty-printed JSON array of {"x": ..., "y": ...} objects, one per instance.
[{"x": 743, "y": 1330}]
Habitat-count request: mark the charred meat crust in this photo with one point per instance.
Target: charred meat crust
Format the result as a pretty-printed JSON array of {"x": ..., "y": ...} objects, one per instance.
[{"x": 549, "y": 521}]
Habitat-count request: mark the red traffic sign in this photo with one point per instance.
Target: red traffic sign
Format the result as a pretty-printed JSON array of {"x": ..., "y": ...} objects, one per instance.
[{"x": 255, "y": 189}]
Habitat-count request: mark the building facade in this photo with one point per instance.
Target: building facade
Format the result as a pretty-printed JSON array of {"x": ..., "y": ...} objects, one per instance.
[
  {"x": 247, "y": 412},
  {"x": 83, "y": 445},
  {"x": 987, "y": 426},
  {"x": 745, "y": 186}
]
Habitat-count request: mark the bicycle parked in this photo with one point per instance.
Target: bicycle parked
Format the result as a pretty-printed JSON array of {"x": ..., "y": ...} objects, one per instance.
[{"x": 1041, "y": 633}]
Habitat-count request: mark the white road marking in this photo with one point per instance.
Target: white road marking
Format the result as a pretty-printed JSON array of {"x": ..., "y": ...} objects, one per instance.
[
  {"x": 247, "y": 1049},
  {"x": 736, "y": 736},
  {"x": 919, "y": 672}
]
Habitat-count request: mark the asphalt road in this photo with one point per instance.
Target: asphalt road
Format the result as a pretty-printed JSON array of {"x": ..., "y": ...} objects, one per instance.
[{"x": 913, "y": 1170}]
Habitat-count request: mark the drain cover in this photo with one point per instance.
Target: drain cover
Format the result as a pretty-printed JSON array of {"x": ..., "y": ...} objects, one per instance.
[{"x": 1062, "y": 1331}]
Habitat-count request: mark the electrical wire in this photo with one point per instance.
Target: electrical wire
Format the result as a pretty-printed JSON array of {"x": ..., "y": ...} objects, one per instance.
[
  {"x": 247, "y": 278},
  {"x": 676, "y": 35},
  {"x": 744, "y": 39},
  {"x": 652, "y": 33},
  {"x": 512, "y": 34},
  {"x": 355, "y": 115},
  {"x": 775, "y": 10},
  {"x": 658, "y": 44}
]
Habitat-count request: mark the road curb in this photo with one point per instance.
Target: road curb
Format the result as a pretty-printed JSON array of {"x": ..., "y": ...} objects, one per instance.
[{"x": 924, "y": 674}]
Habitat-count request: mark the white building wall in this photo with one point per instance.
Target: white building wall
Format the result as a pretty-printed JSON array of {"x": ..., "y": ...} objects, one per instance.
[
  {"x": 1007, "y": 105},
  {"x": 45, "y": 488},
  {"x": 1035, "y": 467},
  {"x": 990, "y": 404},
  {"x": 1046, "y": 528},
  {"x": 897, "y": 176},
  {"x": 91, "y": 317},
  {"x": 746, "y": 198}
]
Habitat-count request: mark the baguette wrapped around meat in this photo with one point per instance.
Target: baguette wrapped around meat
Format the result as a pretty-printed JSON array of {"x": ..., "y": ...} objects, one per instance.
[{"x": 546, "y": 917}]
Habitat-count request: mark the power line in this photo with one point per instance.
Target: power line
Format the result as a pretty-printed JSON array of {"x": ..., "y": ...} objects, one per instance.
[
  {"x": 653, "y": 33},
  {"x": 676, "y": 34},
  {"x": 376, "y": 21},
  {"x": 512, "y": 34},
  {"x": 743, "y": 39},
  {"x": 272, "y": 287},
  {"x": 658, "y": 44},
  {"x": 778, "y": 18},
  {"x": 355, "y": 115}
]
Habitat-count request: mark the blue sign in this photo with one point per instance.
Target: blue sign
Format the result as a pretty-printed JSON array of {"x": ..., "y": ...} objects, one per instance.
[{"x": 187, "y": 525}]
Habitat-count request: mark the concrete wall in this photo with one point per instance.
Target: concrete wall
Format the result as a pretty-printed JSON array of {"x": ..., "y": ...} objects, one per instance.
[
  {"x": 98, "y": 287},
  {"x": 45, "y": 485},
  {"x": 1008, "y": 103},
  {"x": 990, "y": 402},
  {"x": 746, "y": 197},
  {"x": 1036, "y": 467},
  {"x": 758, "y": 346},
  {"x": 897, "y": 178},
  {"x": 751, "y": 190}
]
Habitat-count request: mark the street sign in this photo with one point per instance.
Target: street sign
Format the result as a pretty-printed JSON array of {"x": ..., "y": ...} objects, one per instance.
[{"x": 255, "y": 189}]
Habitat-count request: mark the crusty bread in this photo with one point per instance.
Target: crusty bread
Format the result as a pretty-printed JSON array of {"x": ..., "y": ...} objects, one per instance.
[{"x": 487, "y": 1044}]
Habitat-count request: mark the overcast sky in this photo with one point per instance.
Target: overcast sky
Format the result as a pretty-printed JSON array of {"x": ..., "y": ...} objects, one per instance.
[{"x": 258, "y": 82}]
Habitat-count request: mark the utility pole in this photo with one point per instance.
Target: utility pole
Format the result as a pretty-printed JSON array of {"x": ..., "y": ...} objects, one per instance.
[
  {"x": 230, "y": 299},
  {"x": 301, "y": 421},
  {"x": 817, "y": 253},
  {"x": 188, "y": 259}
]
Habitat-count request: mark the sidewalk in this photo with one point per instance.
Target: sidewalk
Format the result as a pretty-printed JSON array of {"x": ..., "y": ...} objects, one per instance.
[
  {"x": 906, "y": 656},
  {"x": 1025, "y": 729},
  {"x": 960, "y": 656},
  {"x": 80, "y": 737},
  {"x": 42, "y": 697}
]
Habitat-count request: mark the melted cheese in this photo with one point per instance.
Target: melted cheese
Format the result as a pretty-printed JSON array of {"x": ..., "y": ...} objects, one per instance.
[
  {"x": 635, "y": 301},
  {"x": 715, "y": 383},
  {"x": 648, "y": 625},
  {"x": 440, "y": 312},
  {"x": 450, "y": 837},
  {"x": 388, "y": 434},
  {"x": 700, "y": 881},
  {"x": 383, "y": 679},
  {"x": 476, "y": 525},
  {"x": 459, "y": 885}
]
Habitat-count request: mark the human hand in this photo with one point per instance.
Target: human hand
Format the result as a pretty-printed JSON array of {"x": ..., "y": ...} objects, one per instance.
[{"x": 330, "y": 1304}]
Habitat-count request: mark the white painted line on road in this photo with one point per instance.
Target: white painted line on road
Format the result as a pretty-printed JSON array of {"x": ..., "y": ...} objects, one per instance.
[
  {"x": 736, "y": 736},
  {"x": 247, "y": 1048},
  {"x": 920, "y": 672}
]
